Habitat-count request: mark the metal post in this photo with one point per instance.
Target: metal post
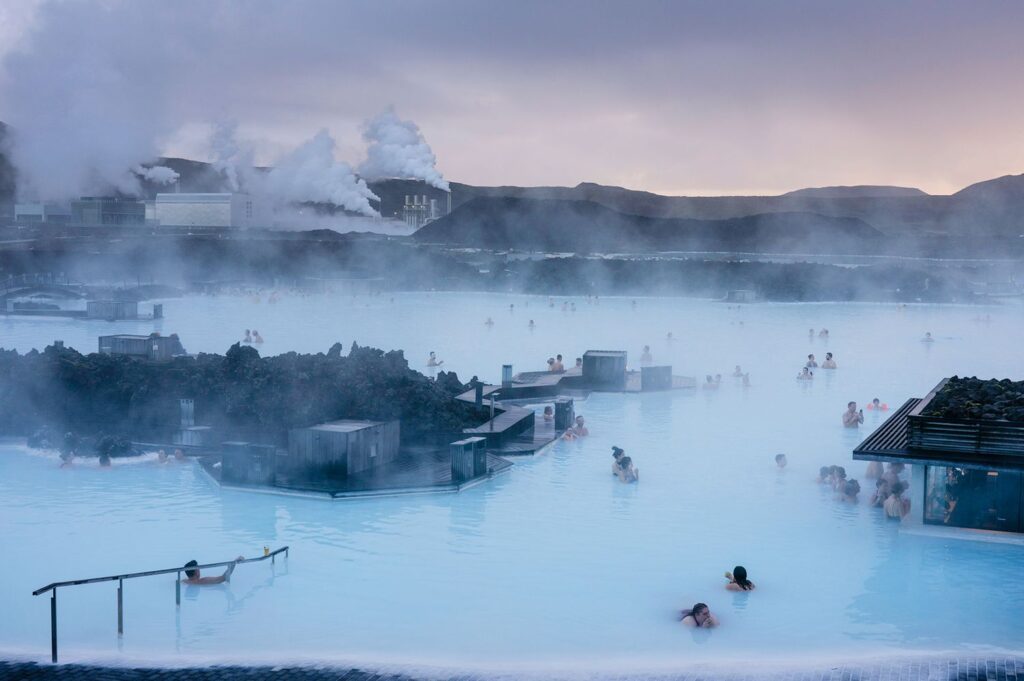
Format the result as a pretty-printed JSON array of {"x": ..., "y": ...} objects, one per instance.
[
  {"x": 492, "y": 412},
  {"x": 53, "y": 626},
  {"x": 177, "y": 590},
  {"x": 120, "y": 607}
]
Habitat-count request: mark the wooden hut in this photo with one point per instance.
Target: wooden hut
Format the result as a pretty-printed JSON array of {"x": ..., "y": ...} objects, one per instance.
[{"x": 342, "y": 448}]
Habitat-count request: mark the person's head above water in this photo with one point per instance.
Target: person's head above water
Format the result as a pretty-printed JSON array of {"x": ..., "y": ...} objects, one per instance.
[
  {"x": 852, "y": 406},
  {"x": 876, "y": 401},
  {"x": 824, "y": 472},
  {"x": 828, "y": 355},
  {"x": 699, "y": 612},
  {"x": 780, "y": 460},
  {"x": 191, "y": 569},
  {"x": 840, "y": 473},
  {"x": 739, "y": 575},
  {"x": 617, "y": 452}
]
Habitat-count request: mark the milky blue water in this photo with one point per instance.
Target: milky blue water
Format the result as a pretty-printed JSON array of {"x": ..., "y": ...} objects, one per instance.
[{"x": 554, "y": 564}]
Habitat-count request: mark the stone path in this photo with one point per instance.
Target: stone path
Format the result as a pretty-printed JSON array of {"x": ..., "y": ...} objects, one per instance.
[{"x": 961, "y": 669}]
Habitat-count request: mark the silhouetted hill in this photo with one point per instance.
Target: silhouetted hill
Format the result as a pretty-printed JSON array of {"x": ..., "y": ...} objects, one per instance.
[
  {"x": 556, "y": 225},
  {"x": 7, "y": 179},
  {"x": 856, "y": 191}
]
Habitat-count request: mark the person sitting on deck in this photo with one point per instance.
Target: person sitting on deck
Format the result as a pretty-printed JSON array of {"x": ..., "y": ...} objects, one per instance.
[
  {"x": 851, "y": 417},
  {"x": 699, "y": 616},
  {"x": 738, "y": 580},
  {"x": 646, "y": 359},
  {"x": 579, "y": 429},
  {"x": 805, "y": 375},
  {"x": 877, "y": 405},
  {"x": 737, "y": 372},
  {"x": 896, "y": 507},
  {"x": 558, "y": 365},
  {"x": 433, "y": 361},
  {"x": 549, "y": 414},
  {"x": 627, "y": 472},
  {"x": 192, "y": 575},
  {"x": 829, "y": 363},
  {"x": 811, "y": 362},
  {"x": 780, "y": 460}
]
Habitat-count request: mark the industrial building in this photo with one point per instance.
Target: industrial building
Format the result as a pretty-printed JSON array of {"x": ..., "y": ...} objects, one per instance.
[
  {"x": 208, "y": 210},
  {"x": 108, "y": 211},
  {"x": 42, "y": 213},
  {"x": 414, "y": 202}
]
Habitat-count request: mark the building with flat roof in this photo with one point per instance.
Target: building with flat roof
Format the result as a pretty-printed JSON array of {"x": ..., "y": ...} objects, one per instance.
[
  {"x": 231, "y": 210},
  {"x": 42, "y": 213},
  {"x": 108, "y": 211},
  {"x": 154, "y": 346},
  {"x": 342, "y": 448}
]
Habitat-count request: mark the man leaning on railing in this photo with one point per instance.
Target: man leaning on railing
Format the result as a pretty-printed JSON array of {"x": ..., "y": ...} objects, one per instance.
[{"x": 192, "y": 573}]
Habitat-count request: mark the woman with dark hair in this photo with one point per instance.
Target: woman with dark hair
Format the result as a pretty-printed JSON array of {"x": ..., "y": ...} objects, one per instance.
[
  {"x": 850, "y": 491},
  {"x": 738, "y": 580},
  {"x": 627, "y": 472},
  {"x": 699, "y": 616}
]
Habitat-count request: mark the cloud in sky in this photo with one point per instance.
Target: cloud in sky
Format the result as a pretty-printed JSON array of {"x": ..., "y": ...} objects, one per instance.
[{"x": 682, "y": 97}]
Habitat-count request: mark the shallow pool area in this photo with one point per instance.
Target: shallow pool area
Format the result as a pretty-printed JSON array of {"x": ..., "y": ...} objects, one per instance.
[{"x": 555, "y": 564}]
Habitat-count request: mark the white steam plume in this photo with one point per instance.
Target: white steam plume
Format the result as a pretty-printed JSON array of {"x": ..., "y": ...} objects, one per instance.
[
  {"x": 157, "y": 174},
  {"x": 311, "y": 173},
  {"x": 398, "y": 149}
]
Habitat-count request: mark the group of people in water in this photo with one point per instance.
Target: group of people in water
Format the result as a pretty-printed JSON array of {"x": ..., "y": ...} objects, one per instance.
[
  {"x": 252, "y": 337},
  {"x": 700, "y": 615},
  {"x": 835, "y": 477},
  {"x": 889, "y": 487},
  {"x": 812, "y": 363},
  {"x": 623, "y": 468}
]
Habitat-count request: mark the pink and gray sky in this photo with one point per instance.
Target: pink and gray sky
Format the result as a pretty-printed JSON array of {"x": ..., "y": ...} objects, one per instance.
[{"x": 698, "y": 98}]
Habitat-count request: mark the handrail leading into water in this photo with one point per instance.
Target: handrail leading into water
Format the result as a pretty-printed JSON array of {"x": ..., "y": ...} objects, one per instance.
[{"x": 132, "y": 575}]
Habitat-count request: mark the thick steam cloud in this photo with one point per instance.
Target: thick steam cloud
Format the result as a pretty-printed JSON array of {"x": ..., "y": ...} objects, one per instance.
[
  {"x": 397, "y": 149},
  {"x": 157, "y": 174}
]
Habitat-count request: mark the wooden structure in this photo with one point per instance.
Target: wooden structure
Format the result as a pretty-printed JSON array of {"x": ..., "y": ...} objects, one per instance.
[
  {"x": 604, "y": 369},
  {"x": 469, "y": 458},
  {"x": 656, "y": 378},
  {"x": 342, "y": 448},
  {"x": 111, "y": 309},
  {"x": 153, "y": 346},
  {"x": 968, "y": 437}
]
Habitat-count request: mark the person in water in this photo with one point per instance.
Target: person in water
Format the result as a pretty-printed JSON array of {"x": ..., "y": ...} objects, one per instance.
[
  {"x": 531, "y": 325},
  {"x": 104, "y": 460},
  {"x": 709, "y": 383},
  {"x": 838, "y": 478},
  {"x": 248, "y": 337},
  {"x": 829, "y": 363},
  {"x": 823, "y": 333},
  {"x": 551, "y": 363},
  {"x": 881, "y": 493},
  {"x": 627, "y": 472},
  {"x": 738, "y": 580},
  {"x": 192, "y": 575},
  {"x": 811, "y": 362},
  {"x": 489, "y": 322},
  {"x": 646, "y": 359},
  {"x": 825, "y": 475},
  {"x": 256, "y": 337},
  {"x": 850, "y": 491},
  {"x": 896, "y": 507},
  {"x": 877, "y": 405},
  {"x": 668, "y": 337},
  {"x": 558, "y": 366},
  {"x": 699, "y": 616},
  {"x": 433, "y": 361},
  {"x": 549, "y": 414},
  {"x": 579, "y": 362},
  {"x": 617, "y": 454},
  {"x": 579, "y": 429},
  {"x": 805, "y": 375},
  {"x": 737, "y": 372},
  {"x": 851, "y": 417},
  {"x": 780, "y": 460}
]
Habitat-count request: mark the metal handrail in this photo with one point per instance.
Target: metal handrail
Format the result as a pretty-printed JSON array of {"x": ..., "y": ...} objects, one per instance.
[{"x": 132, "y": 575}]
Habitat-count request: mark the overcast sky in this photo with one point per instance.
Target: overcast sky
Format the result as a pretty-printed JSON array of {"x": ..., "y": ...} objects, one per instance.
[{"x": 671, "y": 97}]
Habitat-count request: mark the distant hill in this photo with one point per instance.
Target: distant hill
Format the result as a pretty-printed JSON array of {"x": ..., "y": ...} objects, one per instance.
[
  {"x": 7, "y": 177},
  {"x": 556, "y": 225},
  {"x": 856, "y": 191}
]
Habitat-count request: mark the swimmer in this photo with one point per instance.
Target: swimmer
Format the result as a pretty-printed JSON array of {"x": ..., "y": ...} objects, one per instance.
[
  {"x": 579, "y": 362},
  {"x": 811, "y": 362},
  {"x": 161, "y": 456},
  {"x": 709, "y": 383},
  {"x": 737, "y": 372},
  {"x": 810, "y": 333},
  {"x": 746, "y": 380},
  {"x": 531, "y": 325},
  {"x": 896, "y": 507},
  {"x": 882, "y": 491},
  {"x": 805, "y": 375},
  {"x": 851, "y": 417},
  {"x": 580, "y": 429},
  {"x": 192, "y": 575},
  {"x": 823, "y": 333},
  {"x": 668, "y": 337},
  {"x": 877, "y": 405},
  {"x": 256, "y": 337},
  {"x": 617, "y": 454},
  {"x": 558, "y": 365},
  {"x": 829, "y": 363},
  {"x": 781, "y": 461},
  {"x": 511, "y": 307},
  {"x": 433, "y": 361},
  {"x": 248, "y": 337},
  {"x": 551, "y": 363},
  {"x": 738, "y": 580},
  {"x": 824, "y": 475},
  {"x": 646, "y": 358},
  {"x": 66, "y": 458},
  {"x": 489, "y": 323},
  {"x": 838, "y": 478},
  {"x": 549, "y": 414},
  {"x": 179, "y": 455},
  {"x": 699, "y": 616},
  {"x": 627, "y": 472},
  {"x": 718, "y": 379},
  {"x": 850, "y": 491},
  {"x": 928, "y": 337}
]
